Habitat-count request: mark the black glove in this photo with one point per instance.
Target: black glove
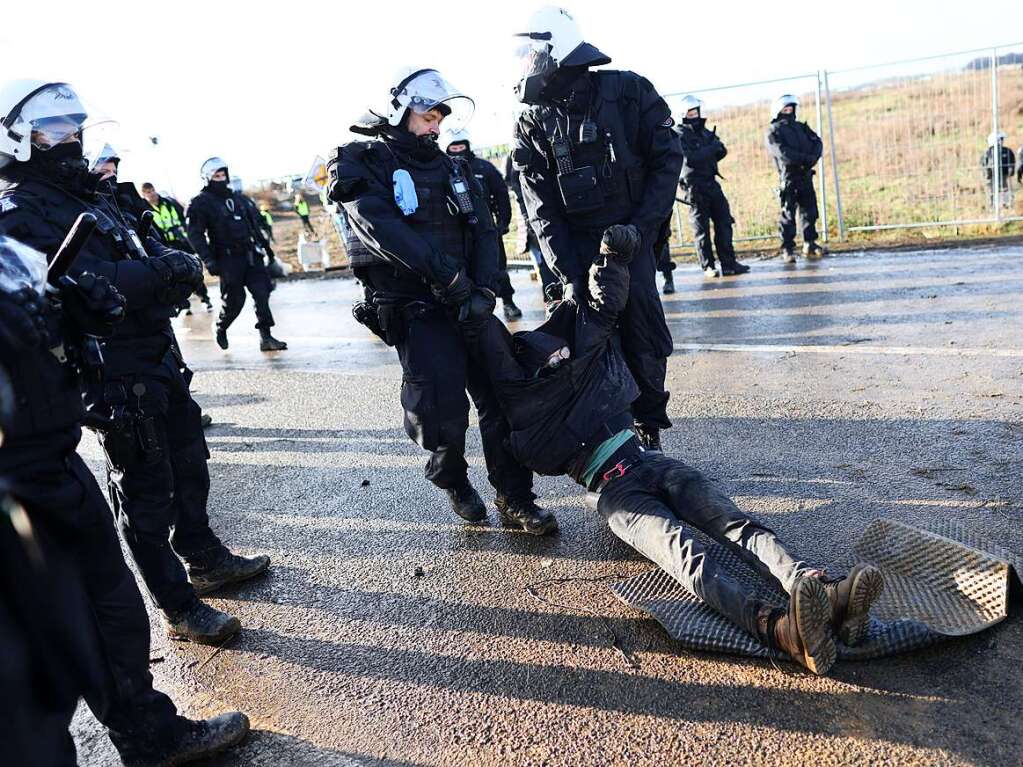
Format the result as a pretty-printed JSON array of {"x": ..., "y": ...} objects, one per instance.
[
  {"x": 213, "y": 268},
  {"x": 579, "y": 289},
  {"x": 91, "y": 304},
  {"x": 478, "y": 307},
  {"x": 621, "y": 242},
  {"x": 457, "y": 292},
  {"x": 180, "y": 273},
  {"x": 22, "y": 321}
]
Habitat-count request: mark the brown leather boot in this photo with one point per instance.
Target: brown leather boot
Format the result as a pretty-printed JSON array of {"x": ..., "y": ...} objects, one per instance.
[
  {"x": 851, "y": 599},
  {"x": 803, "y": 631}
]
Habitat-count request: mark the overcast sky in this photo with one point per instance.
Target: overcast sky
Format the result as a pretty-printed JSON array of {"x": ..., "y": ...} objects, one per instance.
[{"x": 269, "y": 86}]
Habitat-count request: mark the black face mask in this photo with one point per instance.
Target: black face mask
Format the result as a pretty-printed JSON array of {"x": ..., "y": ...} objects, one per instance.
[
  {"x": 65, "y": 166},
  {"x": 219, "y": 188},
  {"x": 695, "y": 122},
  {"x": 789, "y": 116}
]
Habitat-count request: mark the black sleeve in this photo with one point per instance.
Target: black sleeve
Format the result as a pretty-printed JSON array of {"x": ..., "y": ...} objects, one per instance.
[
  {"x": 197, "y": 228},
  {"x": 722, "y": 150},
  {"x": 490, "y": 345},
  {"x": 661, "y": 151},
  {"x": 542, "y": 199},
  {"x": 782, "y": 151},
  {"x": 608, "y": 296},
  {"x": 500, "y": 199},
  {"x": 818, "y": 145}
]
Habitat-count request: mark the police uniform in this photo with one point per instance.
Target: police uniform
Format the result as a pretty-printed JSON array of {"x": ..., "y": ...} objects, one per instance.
[
  {"x": 603, "y": 153},
  {"x": 495, "y": 191},
  {"x": 400, "y": 259},
  {"x": 795, "y": 149},
  {"x": 703, "y": 150},
  {"x": 225, "y": 231},
  {"x": 150, "y": 426}
]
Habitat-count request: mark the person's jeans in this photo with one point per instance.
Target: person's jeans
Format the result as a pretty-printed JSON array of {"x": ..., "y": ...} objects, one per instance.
[{"x": 653, "y": 506}]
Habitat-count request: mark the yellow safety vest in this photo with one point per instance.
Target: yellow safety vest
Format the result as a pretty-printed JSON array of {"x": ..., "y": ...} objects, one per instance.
[
  {"x": 302, "y": 208},
  {"x": 165, "y": 216},
  {"x": 267, "y": 217}
]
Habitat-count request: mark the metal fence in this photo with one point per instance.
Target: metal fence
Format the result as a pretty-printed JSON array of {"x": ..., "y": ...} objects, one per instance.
[{"x": 903, "y": 143}]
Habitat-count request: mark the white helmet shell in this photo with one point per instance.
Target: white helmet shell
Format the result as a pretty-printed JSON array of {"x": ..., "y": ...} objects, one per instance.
[
  {"x": 995, "y": 137},
  {"x": 422, "y": 90},
  {"x": 556, "y": 27},
  {"x": 51, "y": 109},
  {"x": 456, "y": 136},
  {"x": 210, "y": 167},
  {"x": 689, "y": 102},
  {"x": 781, "y": 102}
]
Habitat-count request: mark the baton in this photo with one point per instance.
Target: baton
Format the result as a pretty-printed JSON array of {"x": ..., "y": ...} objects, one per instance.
[
  {"x": 145, "y": 224},
  {"x": 68, "y": 251}
]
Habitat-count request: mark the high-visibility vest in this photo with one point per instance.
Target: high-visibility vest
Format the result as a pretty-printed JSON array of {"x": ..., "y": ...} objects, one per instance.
[
  {"x": 302, "y": 207},
  {"x": 267, "y": 217},
  {"x": 165, "y": 216}
]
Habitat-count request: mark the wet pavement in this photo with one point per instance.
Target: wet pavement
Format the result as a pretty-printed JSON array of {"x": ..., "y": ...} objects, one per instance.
[{"x": 821, "y": 396}]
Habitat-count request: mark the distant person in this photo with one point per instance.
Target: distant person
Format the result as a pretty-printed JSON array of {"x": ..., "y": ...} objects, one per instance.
[
  {"x": 268, "y": 220},
  {"x": 795, "y": 149},
  {"x": 662, "y": 249},
  {"x": 995, "y": 143},
  {"x": 302, "y": 209},
  {"x": 1019, "y": 168},
  {"x": 495, "y": 191},
  {"x": 527, "y": 239},
  {"x": 169, "y": 221},
  {"x": 702, "y": 150},
  {"x": 224, "y": 228}
]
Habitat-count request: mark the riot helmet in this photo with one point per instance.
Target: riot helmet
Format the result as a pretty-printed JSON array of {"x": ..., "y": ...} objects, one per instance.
[
  {"x": 459, "y": 139},
  {"x": 996, "y": 137},
  {"x": 688, "y": 104},
  {"x": 786, "y": 100},
  {"x": 211, "y": 166},
  {"x": 553, "y": 41},
  {"x": 421, "y": 90}
]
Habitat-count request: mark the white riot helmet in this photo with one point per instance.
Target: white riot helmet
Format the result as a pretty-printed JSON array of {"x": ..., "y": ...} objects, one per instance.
[
  {"x": 457, "y": 136},
  {"x": 424, "y": 89},
  {"x": 553, "y": 40},
  {"x": 210, "y": 167},
  {"x": 996, "y": 137},
  {"x": 38, "y": 115},
  {"x": 236, "y": 184},
  {"x": 101, "y": 155},
  {"x": 781, "y": 102},
  {"x": 689, "y": 103}
]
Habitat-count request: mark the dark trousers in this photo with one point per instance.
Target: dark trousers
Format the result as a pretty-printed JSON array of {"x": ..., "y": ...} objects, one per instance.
[
  {"x": 159, "y": 493},
  {"x": 236, "y": 274},
  {"x": 710, "y": 206},
  {"x": 646, "y": 340},
  {"x": 505, "y": 291},
  {"x": 654, "y": 507},
  {"x": 547, "y": 277},
  {"x": 801, "y": 197},
  {"x": 307, "y": 224},
  {"x": 100, "y": 606},
  {"x": 435, "y": 377}
]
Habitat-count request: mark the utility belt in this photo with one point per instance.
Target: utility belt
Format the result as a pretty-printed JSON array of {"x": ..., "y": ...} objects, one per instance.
[
  {"x": 386, "y": 315},
  {"x": 125, "y": 426}
]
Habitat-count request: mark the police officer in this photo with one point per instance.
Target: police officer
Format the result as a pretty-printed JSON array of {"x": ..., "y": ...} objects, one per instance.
[
  {"x": 595, "y": 148},
  {"x": 703, "y": 150},
  {"x": 423, "y": 245},
  {"x": 457, "y": 144},
  {"x": 526, "y": 240},
  {"x": 138, "y": 396},
  {"x": 225, "y": 231},
  {"x": 795, "y": 149},
  {"x": 92, "y": 617},
  {"x": 996, "y": 148}
]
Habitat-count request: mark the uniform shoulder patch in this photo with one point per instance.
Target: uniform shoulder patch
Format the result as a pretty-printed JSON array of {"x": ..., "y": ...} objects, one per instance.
[
  {"x": 669, "y": 122},
  {"x": 7, "y": 205}
]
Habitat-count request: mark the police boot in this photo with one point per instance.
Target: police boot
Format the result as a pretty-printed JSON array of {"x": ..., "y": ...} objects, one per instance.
[
  {"x": 200, "y": 623},
  {"x": 206, "y": 421},
  {"x": 813, "y": 251},
  {"x": 221, "y": 337},
  {"x": 787, "y": 255},
  {"x": 669, "y": 284},
  {"x": 466, "y": 502},
  {"x": 803, "y": 631},
  {"x": 267, "y": 343},
  {"x": 851, "y": 599},
  {"x": 511, "y": 311},
  {"x": 525, "y": 515},
  {"x": 734, "y": 268},
  {"x": 231, "y": 569},
  {"x": 201, "y": 739},
  {"x": 209, "y": 303},
  {"x": 650, "y": 436}
]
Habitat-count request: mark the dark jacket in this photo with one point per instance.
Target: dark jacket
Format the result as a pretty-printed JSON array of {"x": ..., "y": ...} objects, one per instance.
[
  {"x": 40, "y": 214},
  {"x": 702, "y": 150},
  {"x": 361, "y": 179},
  {"x": 496, "y": 191},
  {"x": 795, "y": 149},
  {"x": 636, "y": 159},
  {"x": 557, "y": 419},
  {"x": 225, "y": 227},
  {"x": 987, "y": 162}
]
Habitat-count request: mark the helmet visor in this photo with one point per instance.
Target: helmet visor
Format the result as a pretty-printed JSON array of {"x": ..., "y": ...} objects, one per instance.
[
  {"x": 535, "y": 59},
  {"x": 56, "y": 114},
  {"x": 429, "y": 90},
  {"x": 21, "y": 267}
]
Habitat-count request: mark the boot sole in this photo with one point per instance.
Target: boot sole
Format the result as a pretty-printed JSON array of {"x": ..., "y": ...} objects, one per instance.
[
  {"x": 208, "y": 588},
  {"x": 550, "y": 527},
  {"x": 210, "y": 640},
  {"x": 867, "y": 586},
  {"x": 813, "y": 622}
]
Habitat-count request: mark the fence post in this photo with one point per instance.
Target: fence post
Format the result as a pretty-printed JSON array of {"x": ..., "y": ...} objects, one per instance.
[
  {"x": 834, "y": 160},
  {"x": 820, "y": 163},
  {"x": 996, "y": 154}
]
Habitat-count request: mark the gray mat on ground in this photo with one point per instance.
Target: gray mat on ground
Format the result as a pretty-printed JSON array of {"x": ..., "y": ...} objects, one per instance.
[{"x": 941, "y": 582}]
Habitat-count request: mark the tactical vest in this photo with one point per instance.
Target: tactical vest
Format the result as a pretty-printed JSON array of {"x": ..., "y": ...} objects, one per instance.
[
  {"x": 619, "y": 177},
  {"x": 230, "y": 231}
]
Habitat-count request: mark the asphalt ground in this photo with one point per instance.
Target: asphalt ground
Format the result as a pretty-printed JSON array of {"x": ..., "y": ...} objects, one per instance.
[{"x": 821, "y": 396}]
